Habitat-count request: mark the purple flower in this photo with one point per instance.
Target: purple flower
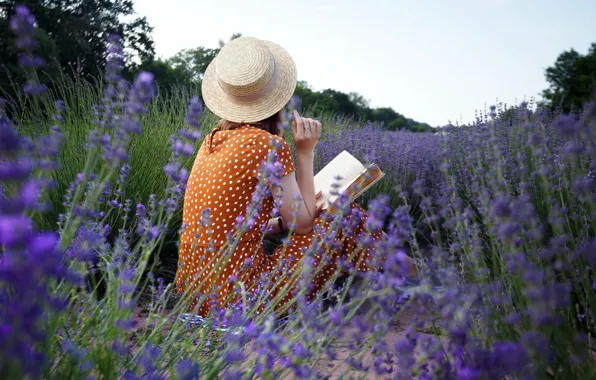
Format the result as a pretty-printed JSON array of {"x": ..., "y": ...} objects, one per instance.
[
  {"x": 10, "y": 141},
  {"x": 141, "y": 210},
  {"x": 15, "y": 170},
  {"x": 195, "y": 113},
  {"x": 14, "y": 229},
  {"x": 233, "y": 374},
  {"x": 192, "y": 135},
  {"x": 144, "y": 86},
  {"x": 501, "y": 208},
  {"x": 566, "y": 125},
  {"x": 186, "y": 369},
  {"x": 172, "y": 170},
  {"x": 234, "y": 356},
  {"x": 251, "y": 330},
  {"x": 588, "y": 253},
  {"x": 23, "y": 25}
]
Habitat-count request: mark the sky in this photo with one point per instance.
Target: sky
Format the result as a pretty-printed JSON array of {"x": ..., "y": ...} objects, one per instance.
[{"x": 435, "y": 61}]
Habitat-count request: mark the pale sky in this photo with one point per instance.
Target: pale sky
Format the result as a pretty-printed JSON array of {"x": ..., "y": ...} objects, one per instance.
[{"x": 431, "y": 60}]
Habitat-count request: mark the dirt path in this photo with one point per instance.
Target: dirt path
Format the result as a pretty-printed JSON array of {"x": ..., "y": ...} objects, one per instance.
[{"x": 397, "y": 330}]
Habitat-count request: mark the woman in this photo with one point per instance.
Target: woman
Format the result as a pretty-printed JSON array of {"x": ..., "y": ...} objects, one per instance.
[{"x": 247, "y": 85}]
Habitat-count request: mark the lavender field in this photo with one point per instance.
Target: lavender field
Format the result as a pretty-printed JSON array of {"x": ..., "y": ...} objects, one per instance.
[{"x": 92, "y": 176}]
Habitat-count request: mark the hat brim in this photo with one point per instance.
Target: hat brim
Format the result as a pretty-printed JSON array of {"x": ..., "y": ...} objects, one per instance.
[{"x": 260, "y": 109}]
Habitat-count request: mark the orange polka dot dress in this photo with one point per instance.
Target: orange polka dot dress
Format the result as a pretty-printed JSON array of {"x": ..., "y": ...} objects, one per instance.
[{"x": 220, "y": 187}]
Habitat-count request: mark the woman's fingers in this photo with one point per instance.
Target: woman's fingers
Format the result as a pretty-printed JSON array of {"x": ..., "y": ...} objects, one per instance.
[
  {"x": 305, "y": 128},
  {"x": 318, "y": 128},
  {"x": 297, "y": 124},
  {"x": 308, "y": 126},
  {"x": 319, "y": 207},
  {"x": 319, "y": 210}
]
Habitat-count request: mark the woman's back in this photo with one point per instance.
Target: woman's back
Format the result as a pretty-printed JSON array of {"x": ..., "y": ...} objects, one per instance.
[
  {"x": 220, "y": 188},
  {"x": 224, "y": 178}
]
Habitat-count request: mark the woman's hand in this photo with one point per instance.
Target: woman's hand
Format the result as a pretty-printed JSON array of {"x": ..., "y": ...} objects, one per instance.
[
  {"x": 274, "y": 224},
  {"x": 306, "y": 133},
  {"x": 319, "y": 207}
]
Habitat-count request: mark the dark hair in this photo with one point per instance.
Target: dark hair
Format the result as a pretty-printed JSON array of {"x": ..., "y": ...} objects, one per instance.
[{"x": 270, "y": 124}]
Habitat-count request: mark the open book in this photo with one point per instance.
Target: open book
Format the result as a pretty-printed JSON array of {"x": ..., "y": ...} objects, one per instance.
[{"x": 355, "y": 179}]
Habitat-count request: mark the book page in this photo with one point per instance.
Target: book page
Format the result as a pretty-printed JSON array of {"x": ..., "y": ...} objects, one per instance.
[
  {"x": 362, "y": 184},
  {"x": 344, "y": 165}
]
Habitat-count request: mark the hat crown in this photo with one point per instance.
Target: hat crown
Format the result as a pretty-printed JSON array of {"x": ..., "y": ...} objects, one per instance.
[{"x": 244, "y": 66}]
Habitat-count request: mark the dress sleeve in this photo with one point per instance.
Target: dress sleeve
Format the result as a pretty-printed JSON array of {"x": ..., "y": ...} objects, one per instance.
[{"x": 266, "y": 142}]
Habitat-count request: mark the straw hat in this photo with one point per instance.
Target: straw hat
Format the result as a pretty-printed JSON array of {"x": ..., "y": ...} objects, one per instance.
[{"x": 249, "y": 80}]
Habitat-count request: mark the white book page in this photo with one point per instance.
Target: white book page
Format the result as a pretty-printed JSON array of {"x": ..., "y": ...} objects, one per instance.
[{"x": 344, "y": 165}]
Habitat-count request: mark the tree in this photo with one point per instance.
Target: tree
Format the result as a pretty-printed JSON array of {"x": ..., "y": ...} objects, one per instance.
[
  {"x": 354, "y": 104},
  {"x": 345, "y": 105},
  {"x": 11, "y": 73},
  {"x": 222, "y": 43},
  {"x": 572, "y": 79},
  {"x": 166, "y": 76},
  {"x": 79, "y": 29},
  {"x": 185, "y": 68},
  {"x": 195, "y": 61},
  {"x": 358, "y": 100},
  {"x": 384, "y": 114},
  {"x": 76, "y": 33},
  {"x": 314, "y": 101}
]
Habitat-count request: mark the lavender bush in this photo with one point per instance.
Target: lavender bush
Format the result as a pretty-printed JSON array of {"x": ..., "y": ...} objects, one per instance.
[
  {"x": 91, "y": 195},
  {"x": 410, "y": 160},
  {"x": 407, "y": 157}
]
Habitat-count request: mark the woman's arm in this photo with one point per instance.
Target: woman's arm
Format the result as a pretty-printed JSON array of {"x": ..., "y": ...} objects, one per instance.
[
  {"x": 278, "y": 225},
  {"x": 306, "y": 135},
  {"x": 293, "y": 210},
  {"x": 306, "y": 180},
  {"x": 301, "y": 192}
]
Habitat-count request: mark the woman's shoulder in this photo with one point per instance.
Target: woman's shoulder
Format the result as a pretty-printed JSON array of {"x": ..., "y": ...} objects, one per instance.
[
  {"x": 252, "y": 140},
  {"x": 269, "y": 140}
]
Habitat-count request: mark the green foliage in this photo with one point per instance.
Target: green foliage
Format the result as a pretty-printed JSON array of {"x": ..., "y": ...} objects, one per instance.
[
  {"x": 167, "y": 76},
  {"x": 185, "y": 69},
  {"x": 356, "y": 106},
  {"x": 572, "y": 79},
  {"x": 72, "y": 36},
  {"x": 193, "y": 62},
  {"x": 11, "y": 72}
]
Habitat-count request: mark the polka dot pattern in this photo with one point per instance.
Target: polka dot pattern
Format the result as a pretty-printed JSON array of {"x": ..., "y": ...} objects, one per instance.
[
  {"x": 340, "y": 252},
  {"x": 221, "y": 184}
]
